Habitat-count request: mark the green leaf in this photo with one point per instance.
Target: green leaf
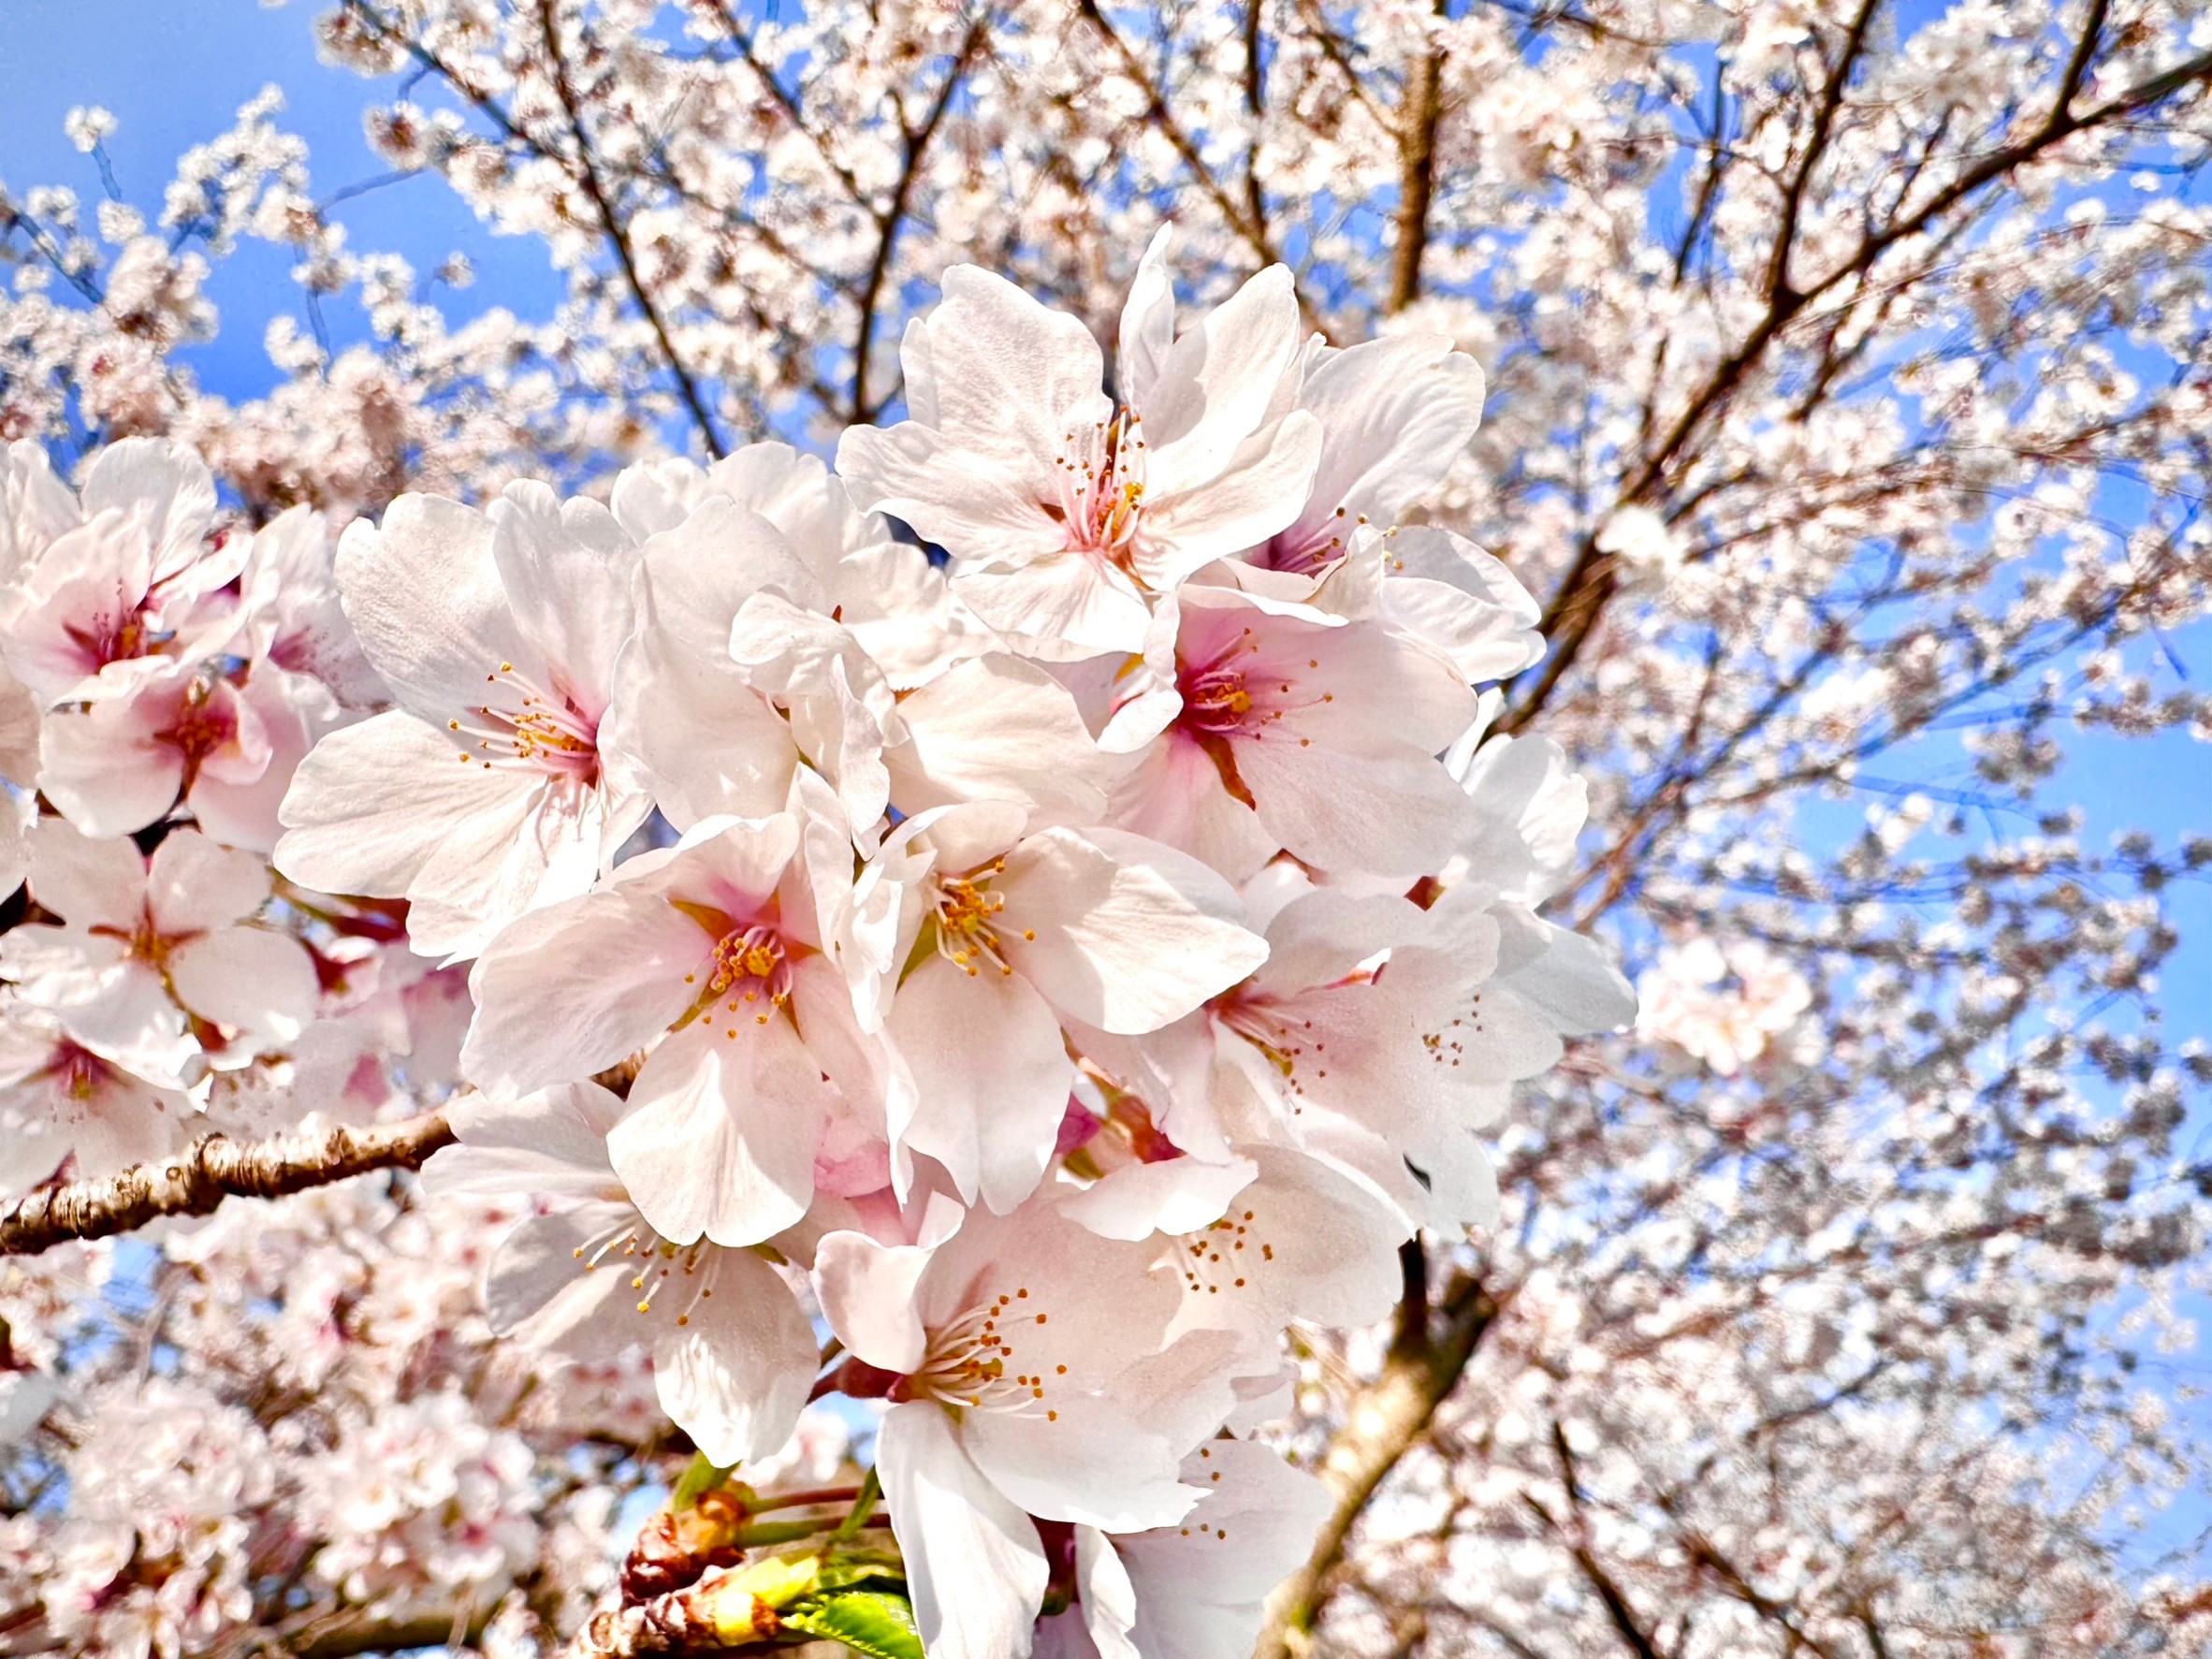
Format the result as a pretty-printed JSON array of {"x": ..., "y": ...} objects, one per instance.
[
  {"x": 870, "y": 1490},
  {"x": 871, "y": 1622},
  {"x": 844, "y": 1571},
  {"x": 699, "y": 1476}
]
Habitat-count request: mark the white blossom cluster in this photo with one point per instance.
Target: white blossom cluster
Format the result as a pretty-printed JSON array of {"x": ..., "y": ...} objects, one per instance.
[
  {"x": 1030, "y": 981},
  {"x": 1848, "y": 377},
  {"x": 297, "y": 1419},
  {"x": 1027, "y": 983}
]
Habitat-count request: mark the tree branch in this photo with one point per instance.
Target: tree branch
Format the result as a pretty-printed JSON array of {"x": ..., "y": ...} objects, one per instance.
[
  {"x": 1572, "y": 615},
  {"x": 915, "y": 142},
  {"x": 1158, "y": 113},
  {"x": 1416, "y": 169},
  {"x": 1630, "y": 1629},
  {"x": 1411, "y": 1335},
  {"x": 617, "y": 233},
  {"x": 1254, "y": 112},
  {"x": 742, "y": 39},
  {"x": 357, "y": 1630},
  {"x": 1383, "y": 1421},
  {"x": 1817, "y": 143},
  {"x": 197, "y": 1181}
]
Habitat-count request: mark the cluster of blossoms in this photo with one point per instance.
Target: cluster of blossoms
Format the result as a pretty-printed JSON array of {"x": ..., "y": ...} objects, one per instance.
[
  {"x": 333, "y": 1446},
  {"x": 1849, "y": 368},
  {"x": 1051, "y": 972},
  {"x": 164, "y": 663}
]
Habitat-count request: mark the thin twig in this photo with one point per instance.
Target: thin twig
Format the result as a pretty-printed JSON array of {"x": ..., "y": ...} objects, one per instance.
[
  {"x": 916, "y": 144},
  {"x": 618, "y": 232},
  {"x": 1417, "y": 168},
  {"x": 1579, "y": 601}
]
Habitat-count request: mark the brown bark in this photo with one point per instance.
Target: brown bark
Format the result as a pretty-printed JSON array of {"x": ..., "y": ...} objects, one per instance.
[
  {"x": 1417, "y": 175},
  {"x": 1383, "y": 1421},
  {"x": 342, "y": 1635},
  {"x": 198, "y": 1180}
]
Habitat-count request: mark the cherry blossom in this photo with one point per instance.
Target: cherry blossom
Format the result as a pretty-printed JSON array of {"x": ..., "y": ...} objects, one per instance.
[
  {"x": 1012, "y": 1350},
  {"x": 65, "y": 1104},
  {"x": 1066, "y": 513},
  {"x": 1299, "y": 731},
  {"x": 708, "y": 953},
  {"x": 157, "y": 961},
  {"x": 590, "y": 1275},
  {"x": 121, "y": 584},
  {"x": 226, "y": 741},
  {"x": 1195, "y": 1588},
  {"x": 1294, "y": 1239},
  {"x": 1009, "y": 933},
  {"x": 485, "y": 793},
  {"x": 1684, "y": 999},
  {"x": 1710, "y": 485}
]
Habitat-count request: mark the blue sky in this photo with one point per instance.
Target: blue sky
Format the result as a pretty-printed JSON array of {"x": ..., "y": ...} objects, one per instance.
[{"x": 174, "y": 73}]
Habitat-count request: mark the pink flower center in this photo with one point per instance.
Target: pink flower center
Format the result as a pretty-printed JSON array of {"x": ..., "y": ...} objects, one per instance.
[
  {"x": 524, "y": 727},
  {"x": 1102, "y": 486},
  {"x": 749, "y": 969},
  {"x": 203, "y": 725},
  {"x": 753, "y": 964},
  {"x": 1236, "y": 691},
  {"x": 969, "y": 920},
  {"x": 1216, "y": 702},
  {"x": 1307, "y": 554},
  {"x": 975, "y": 1362},
  {"x": 112, "y": 637},
  {"x": 77, "y": 1072}
]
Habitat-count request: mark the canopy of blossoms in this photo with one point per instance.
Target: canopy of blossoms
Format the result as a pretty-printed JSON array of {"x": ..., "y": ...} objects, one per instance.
[
  {"x": 877, "y": 931},
  {"x": 1006, "y": 989}
]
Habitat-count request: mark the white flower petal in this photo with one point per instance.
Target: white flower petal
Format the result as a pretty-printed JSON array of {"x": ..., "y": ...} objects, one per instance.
[
  {"x": 191, "y": 884},
  {"x": 734, "y": 1374},
  {"x": 974, "y": 1567},
  {"x": 975, "y": 504},
  {"x": 1257, "y": 491},
  {"x": 87, "y": 882},
  {"x": 991, "y": 1076},
  {"x": 549, "y": 1144},
  {"x": 1398, "y": 413},
  {"x": 257, "y": 981},
  {"x": 375, "y": 802},
  {"x": 541, "y": 1291},
  {"x": 1176, "y": 1196},
  {"x": 868, "y": 1295},
  {"x": 567, "y": 569},
  {"x": 1131, "y": 936},
  {"x": 1090, "y": 1462},
  {"x": 579, "y": 987},
  {"x": 720, "y": 1137},
  {"x": 423, "y": 591},
  {"x": 996, "y": 728},
  {"x": 1147, "y": 331}
]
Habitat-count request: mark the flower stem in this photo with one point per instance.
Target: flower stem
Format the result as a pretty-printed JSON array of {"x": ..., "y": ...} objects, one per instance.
[{"x": 863, "y": 1507}]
